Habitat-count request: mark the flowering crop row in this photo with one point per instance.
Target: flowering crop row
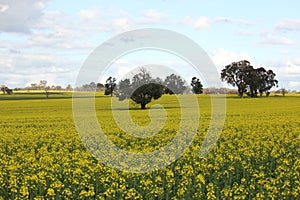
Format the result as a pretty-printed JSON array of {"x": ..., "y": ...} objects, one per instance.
[{"x": 256, "y": 157}]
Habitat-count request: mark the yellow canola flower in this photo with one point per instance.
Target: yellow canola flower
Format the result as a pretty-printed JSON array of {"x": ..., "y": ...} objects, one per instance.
[
  {"x": 50, "y": 192},
  {"x": 200, "y": 178}
]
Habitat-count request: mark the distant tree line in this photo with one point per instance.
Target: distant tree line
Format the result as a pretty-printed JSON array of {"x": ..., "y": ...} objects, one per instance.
[
  {"x": 214, "y": 90},
  {"x": 42, "y": 85},
  {"x": 92, "y": 86},
  {"x": 143, "y": 88}
]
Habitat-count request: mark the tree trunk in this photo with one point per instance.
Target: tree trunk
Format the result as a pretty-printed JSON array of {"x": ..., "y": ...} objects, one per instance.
[
  {"x": 251, "y": 93},
  {"x": 241, "y": 92},
  {"x": 111, "y": 91},
  {"x": 143, "y": 106}
]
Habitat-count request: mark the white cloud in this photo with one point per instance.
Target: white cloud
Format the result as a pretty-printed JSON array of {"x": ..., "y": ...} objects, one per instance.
[
  {"x": 222, "y": 57},
  {"x": 20, "y": 16},
  {"x": 121, "y": 24},
  {"x": 287, "y": 72},
  {"x": 94, "y": 19},
  {"x": 246, "y": 32},
  {"x": 54, "y": 69},
  {"x": 3, "y": 7},
  {"x": 28, "y": 68},
  {"x": 290, "y": 68},
  {"x": 288, "y": 25},
  {"x": 275, "y": 40},
  {"x": 200, "y": 23},
  {"x": 294, "y": 85},
  {"x": 88, "y": 14},
  {"x": 51, "y": 32},
  {"x": 153, "y": 14},
  {"x": 232, "y": 20},
  {"x": 13, "y": 80}
]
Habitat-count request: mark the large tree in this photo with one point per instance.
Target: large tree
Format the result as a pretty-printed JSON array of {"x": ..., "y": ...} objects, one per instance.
[
  {"x": 3, "y": 89},
  {"x": 6, "y": 90},
  {"x": 142, "y": 89},
  {"x": 43, "y": 86},
  {"x": 197, "y": 87},
  {"x": 252, "y": 80},
  {"x": 247, "y": 78},
  {"x": 174, "y": 84},
  {"x": 124, "y": 89},
  {"x": 110, "y": 86},
  {"x": 266, "y": 81},
  {"x": 236, "y": 74},
  {"x": 69, "y": 87}
]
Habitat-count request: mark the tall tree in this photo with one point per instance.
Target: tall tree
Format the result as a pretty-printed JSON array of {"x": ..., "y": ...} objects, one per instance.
[
  {"x": 92, "y": 86},
  {"x": 142, "y": 90},
  {"x": 252, "y": 80},
  {"x": 3, "y": 89},
  {"x": 124, "y": 89},
  {"x": 9, "y": 91},
  {"x": 6, "y": 90},
  {"x": 47, "y": 88},
  {"x": 197, "y": 87},
  {"x": 100, "y": 87},
  {"x": 266, "y": 81},
  {"x": 110, "y": 86},
  {"x": 69, "y": 87},
  {"x": 43, "y": 86},
  {"x": 33, "y": 86},
  {"x": 247, "y": 78},
  {"x": 174, "y": 84},
  {"x": 236, "y": 74}
]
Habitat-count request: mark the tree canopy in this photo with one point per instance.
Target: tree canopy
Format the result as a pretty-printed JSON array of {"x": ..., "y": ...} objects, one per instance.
[
  {"x": 248, "y": 79},
  {"x": 174, "y": 84},
  {"x": 142, "y": 89},
  {"x": 197, "y": 87},
  {"x": 6, "y": 90},
  {"x": 110, "y": 86}
]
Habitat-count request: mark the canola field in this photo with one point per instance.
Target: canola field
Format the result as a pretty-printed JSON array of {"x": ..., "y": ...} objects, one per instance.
[{"x": 256, "y": 157}]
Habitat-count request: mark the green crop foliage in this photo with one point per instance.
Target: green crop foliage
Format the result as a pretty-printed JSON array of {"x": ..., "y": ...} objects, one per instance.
[{"x": 256, "y": 157}]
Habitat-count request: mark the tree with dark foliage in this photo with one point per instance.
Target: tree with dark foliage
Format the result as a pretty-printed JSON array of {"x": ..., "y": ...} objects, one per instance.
[
  {"x": 124, "y": 89},
  {"x": 110, "y": 86},
  {"x": 197, "y": 87},
  {"x": 235, "y": 74},
  {"x": 142, "y": 90},
  {"x": 266, "y": 81},
  {"x": 43, "y": 86},
  {"x": 248, "y": 79},
  {"x": 174, "y": 84},
  {"x": 6, "y": 90}
]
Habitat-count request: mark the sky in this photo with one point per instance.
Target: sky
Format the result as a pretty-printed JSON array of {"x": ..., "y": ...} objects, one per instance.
[{"x": 51, "y": 39}]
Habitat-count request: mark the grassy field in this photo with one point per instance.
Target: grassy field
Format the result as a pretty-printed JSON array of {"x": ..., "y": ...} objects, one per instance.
[{"x": 256, "y": 157}]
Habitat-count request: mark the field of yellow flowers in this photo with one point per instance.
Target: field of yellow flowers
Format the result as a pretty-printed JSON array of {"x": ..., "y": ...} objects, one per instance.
[{"x": 256, "y": 157}]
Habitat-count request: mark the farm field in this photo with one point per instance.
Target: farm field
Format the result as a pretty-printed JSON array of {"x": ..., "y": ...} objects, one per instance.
[{"x": 256, "y": 157}]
